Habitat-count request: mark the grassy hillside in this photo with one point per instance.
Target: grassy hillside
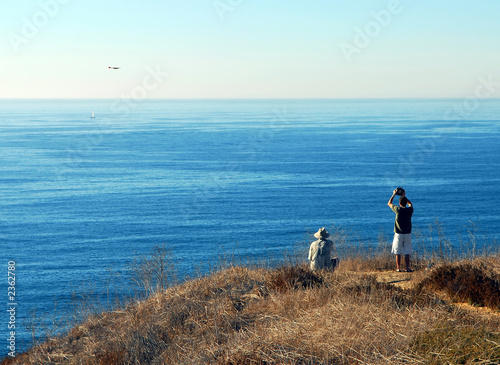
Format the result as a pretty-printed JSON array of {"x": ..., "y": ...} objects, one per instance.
[{"x": 363, "y": 313}]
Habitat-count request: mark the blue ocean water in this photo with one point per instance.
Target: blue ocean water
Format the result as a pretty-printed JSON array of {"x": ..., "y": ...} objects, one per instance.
[{"x": 82, "y": 196}]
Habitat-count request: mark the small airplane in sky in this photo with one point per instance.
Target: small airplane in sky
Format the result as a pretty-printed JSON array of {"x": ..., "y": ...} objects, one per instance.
[{"x": 113, "y": 67}]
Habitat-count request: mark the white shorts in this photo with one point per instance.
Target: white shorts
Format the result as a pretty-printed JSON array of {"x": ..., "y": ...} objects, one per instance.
[{"x": 401, "y": 245}]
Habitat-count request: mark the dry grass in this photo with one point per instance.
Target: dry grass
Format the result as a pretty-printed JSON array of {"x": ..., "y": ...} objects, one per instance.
[
  {"x": 289, "y": 315},
  {"x": 449, "y": 343},
  {"x": 468, "y": 282}
]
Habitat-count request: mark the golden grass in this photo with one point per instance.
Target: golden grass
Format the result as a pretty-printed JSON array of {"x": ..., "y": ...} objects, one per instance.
[{"x": 359, "y": 314}]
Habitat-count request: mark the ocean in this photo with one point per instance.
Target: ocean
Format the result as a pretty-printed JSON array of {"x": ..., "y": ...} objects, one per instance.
[{"x": 82, "y": 197}]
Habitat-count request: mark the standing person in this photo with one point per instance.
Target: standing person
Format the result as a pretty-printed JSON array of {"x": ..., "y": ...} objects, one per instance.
[
  {"x": 320, "y": 252},
  {"x": 401, "y": 245}
]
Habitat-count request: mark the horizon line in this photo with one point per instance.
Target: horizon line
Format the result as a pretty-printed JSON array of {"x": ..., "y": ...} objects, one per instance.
[{"x": 249, "y": 99}]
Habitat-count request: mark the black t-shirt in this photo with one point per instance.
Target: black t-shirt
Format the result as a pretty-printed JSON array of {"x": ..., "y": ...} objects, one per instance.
[{"x": 402, "y": 224}]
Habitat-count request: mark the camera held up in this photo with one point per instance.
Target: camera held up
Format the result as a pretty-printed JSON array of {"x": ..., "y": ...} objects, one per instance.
[{"x": 399, "y": 190}]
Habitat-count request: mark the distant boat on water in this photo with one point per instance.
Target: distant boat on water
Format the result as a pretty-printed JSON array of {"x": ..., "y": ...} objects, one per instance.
[{"x": 92, "y": 116}]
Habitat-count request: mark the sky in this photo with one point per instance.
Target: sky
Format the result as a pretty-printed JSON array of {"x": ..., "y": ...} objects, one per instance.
[{"x": 260, "y": 49}]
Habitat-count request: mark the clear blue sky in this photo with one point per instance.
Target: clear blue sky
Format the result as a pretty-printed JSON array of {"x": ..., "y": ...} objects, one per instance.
[{"x": 247, "y": 48}]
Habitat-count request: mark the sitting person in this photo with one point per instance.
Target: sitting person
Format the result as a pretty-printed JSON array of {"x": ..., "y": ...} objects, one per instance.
[{"x": 320, "y": 252}]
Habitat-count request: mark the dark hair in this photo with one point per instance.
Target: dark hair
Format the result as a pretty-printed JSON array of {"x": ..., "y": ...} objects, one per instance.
[{"x": 403, "y": 201}]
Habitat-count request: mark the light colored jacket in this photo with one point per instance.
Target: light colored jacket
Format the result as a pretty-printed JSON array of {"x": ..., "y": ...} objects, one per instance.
[{"x": 320, "y": 254}]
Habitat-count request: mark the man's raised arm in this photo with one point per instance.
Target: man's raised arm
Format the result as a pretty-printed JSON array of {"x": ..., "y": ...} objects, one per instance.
[{"x": 389, "y": 203}]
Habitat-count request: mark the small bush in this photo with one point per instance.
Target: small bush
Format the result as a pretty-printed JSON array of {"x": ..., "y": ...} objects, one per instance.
[
  {"x": 466, "y": 282},
  {"x": 111, "y": 357},
  {"x": 293, "y": 278}
]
